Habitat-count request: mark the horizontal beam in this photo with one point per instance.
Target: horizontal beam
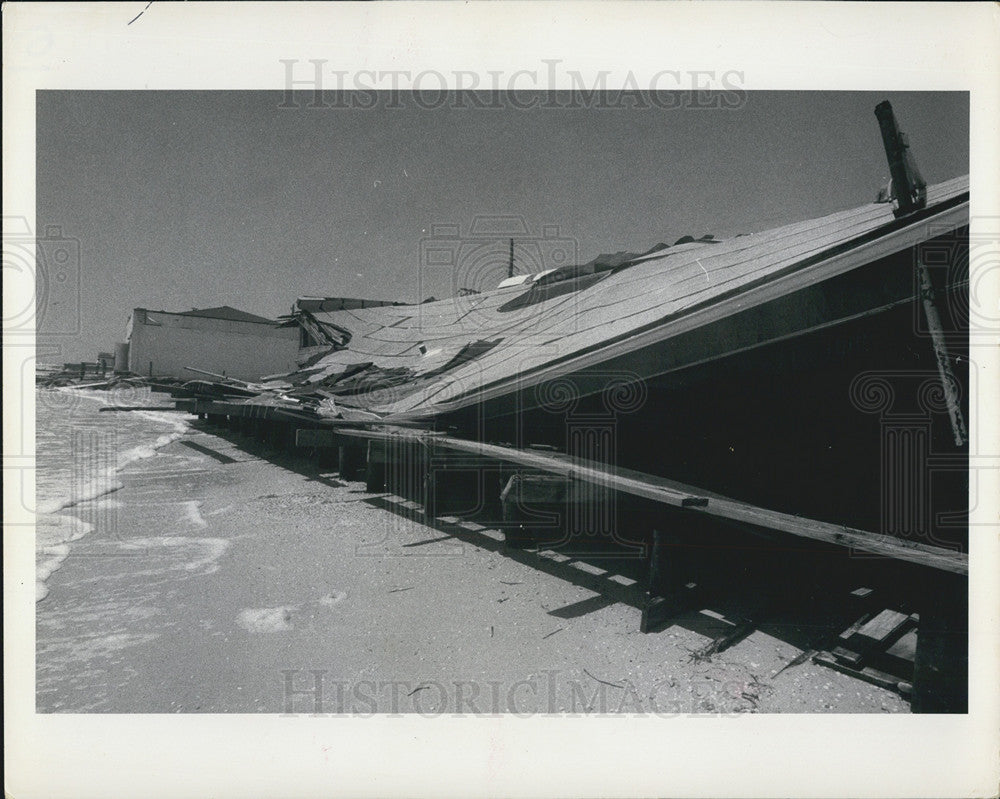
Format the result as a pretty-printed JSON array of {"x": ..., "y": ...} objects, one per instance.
[{"x": 675, "y": 494}]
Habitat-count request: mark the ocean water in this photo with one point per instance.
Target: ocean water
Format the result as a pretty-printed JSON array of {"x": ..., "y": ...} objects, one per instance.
[{"x": 78, "y": 455}]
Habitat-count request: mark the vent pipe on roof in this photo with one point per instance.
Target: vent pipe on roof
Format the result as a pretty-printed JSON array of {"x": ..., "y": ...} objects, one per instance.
[{"x": 908, "y": 187}]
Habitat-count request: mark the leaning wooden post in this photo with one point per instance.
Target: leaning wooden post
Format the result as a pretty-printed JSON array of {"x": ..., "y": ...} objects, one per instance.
[
  {"x": 910, "y": 192},
  {"x": 948, "y": 381}
]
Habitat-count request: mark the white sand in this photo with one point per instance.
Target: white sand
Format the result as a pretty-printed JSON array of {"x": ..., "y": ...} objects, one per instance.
[{"x": 251, "y": 587}]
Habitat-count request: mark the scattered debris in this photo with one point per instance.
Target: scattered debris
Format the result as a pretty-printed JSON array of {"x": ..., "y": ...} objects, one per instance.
[
  {"x": 723, "y": 642},
  {"x": 549, "y": 635},
  {"x": 603, "y": 682},
  {"x": 798, "y": 660}
]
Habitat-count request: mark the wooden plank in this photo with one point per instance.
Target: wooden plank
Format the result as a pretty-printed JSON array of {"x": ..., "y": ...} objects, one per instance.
[
  {"x": 848, "y": 656},
  {"x": 672, "y": 493},
  {"x": 880, "y": 630},
  {"x": 178, "y": 392},
  {"x": 870, "y": 675},
  {"x": 123, "y": 408},
  {"x": 732, "y": 636},
  {"x": 871, "y": 634},
  {"x": 842, "y": 651},
  {"x": 900, "y": 657},
  {"x": 669, "y": 492}
]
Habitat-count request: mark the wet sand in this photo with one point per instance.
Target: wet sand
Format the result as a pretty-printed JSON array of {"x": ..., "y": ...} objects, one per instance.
[{"x": 235, "y": 579}]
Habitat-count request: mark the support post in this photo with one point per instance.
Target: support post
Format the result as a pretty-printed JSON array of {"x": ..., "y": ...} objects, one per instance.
[
  {"x": 352, "y": 460},
  {"x": 668, "y": 592},
  {"x": 941, "y": 665},
  {"x": 517, "y": 530},
  {"x": 376, "y": 467},
  {"x": 405, "y": 467}
]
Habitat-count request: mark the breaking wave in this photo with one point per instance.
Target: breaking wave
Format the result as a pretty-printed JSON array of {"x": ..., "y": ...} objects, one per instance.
[{"x": 79, "y": 454}]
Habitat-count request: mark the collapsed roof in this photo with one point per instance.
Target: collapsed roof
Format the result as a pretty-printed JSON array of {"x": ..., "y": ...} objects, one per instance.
[{"x": 418, "y": 361}]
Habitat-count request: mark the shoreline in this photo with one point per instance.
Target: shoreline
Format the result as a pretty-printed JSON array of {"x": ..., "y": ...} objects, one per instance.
[
  {"x": 61, "y": 511},
  {"x": 225, "y": 577}
]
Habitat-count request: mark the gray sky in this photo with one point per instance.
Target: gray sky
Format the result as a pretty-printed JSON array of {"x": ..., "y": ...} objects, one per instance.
[{"x": 194, "y": 199}]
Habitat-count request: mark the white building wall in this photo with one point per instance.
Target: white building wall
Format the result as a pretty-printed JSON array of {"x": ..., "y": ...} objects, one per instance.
[{"x": 162, "y": 344}]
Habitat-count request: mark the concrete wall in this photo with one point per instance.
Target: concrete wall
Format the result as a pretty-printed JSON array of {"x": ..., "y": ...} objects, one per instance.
[{"x": 165, "y": 343}]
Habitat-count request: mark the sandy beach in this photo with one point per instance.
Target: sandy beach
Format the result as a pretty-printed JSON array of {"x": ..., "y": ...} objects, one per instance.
[{"x": 226, "y": 577}]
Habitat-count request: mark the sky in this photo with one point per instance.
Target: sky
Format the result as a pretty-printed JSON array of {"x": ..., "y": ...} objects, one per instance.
[{"x": 194, "y": 199}]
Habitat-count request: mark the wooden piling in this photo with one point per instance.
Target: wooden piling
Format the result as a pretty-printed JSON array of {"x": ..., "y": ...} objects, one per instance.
[
  {"x": 405, "y": 468},
  {"x": 669, "y": 588},
  {"x": 375, "y": 467},
  {"x": 941, "y": 665},
  {"x": 352, "y": 460}
]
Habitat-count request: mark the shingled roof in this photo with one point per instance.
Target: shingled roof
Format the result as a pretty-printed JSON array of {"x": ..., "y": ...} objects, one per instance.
[{"x": 434, "y": 357}]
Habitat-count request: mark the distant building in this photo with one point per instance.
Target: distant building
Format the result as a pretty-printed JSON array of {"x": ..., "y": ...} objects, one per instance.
[{"x": 223, "y": 340}]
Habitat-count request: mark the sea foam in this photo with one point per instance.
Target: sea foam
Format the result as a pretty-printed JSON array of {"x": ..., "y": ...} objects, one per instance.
[{"x": 65, "y": 479}]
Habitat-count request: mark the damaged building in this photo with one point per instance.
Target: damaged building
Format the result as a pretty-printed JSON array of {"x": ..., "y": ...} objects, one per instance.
[
  {"x": 779, "y": 412},
  {"x": 222, "y": 340}
]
